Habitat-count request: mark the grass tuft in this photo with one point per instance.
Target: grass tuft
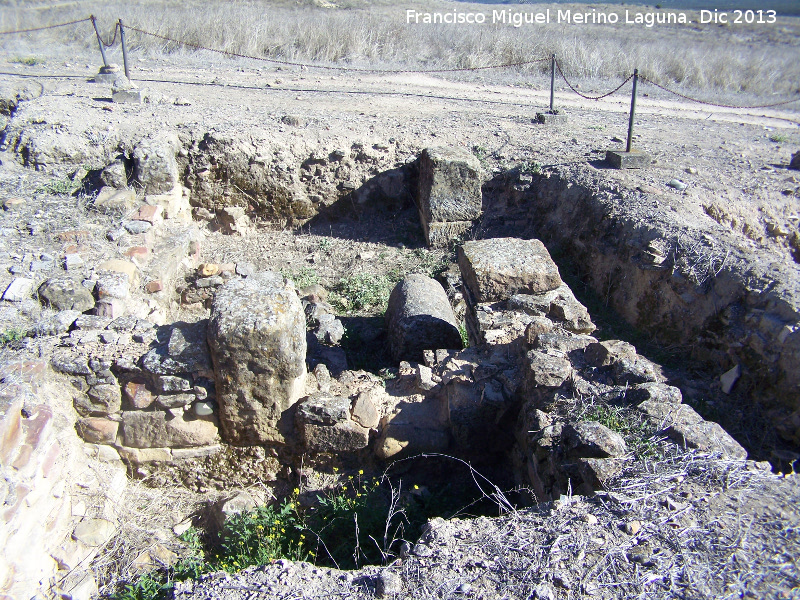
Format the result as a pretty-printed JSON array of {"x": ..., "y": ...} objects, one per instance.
[
  {"x": 13, "y": 334},
  {"x": 28, "y": 61}
]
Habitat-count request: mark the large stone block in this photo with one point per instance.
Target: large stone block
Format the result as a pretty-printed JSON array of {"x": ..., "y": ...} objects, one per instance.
[
  {"x": 65, "y": 293},
  {"x": 449, "y": 185},
  {"x": 448, "y": 192},
  {"x": 498, "y": 268},
  {"x": 155, "y": 165},
  {"x": 155, "y": 430},
  {"x": 593, "y": 440},
  {"x": 257, "y": 337},
  {"x": 420, "y": 318},
  {"x": 417, "y": 425}
]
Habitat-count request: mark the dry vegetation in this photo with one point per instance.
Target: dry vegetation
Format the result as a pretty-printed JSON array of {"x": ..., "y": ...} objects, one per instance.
[{"x": 759, "y": 60}]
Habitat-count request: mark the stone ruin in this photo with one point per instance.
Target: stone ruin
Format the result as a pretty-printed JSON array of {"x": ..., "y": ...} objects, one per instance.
[{"x": 252, "y": 374}]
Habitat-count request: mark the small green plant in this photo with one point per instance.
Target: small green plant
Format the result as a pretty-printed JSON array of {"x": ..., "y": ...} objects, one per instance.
[
  {"x": 325, "y": 246},
  {"x": 28, "y": 61},
  {"x": 59, "y": 187},
  {"x": 608, "y": 416},
  {"x": 462, "y": 330},
  {"x": 480, "y": 152},
  {"x": 12, "y": 334},
  {"x": 149, "y": 586},
  {"x": 637, "y": 434},
  {"x": 267, "y": 533},
  {"x": 778, "y": 137},
  {"x": 422, "y": 260},
  {"x": 531, "y": 167},
  {"x": 361, "y": 291},
  {"x": 302, "y": 278}
]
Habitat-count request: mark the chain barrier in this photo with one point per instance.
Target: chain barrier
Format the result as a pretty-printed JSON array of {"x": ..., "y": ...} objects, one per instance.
[
  {"x": 114, "y": 39},
  {"x": 399, "y": 71},
  {"x": 614, "y": 91},
  {"x": 707, "y": 103},
  {"x": 44, "y": 28},
  {"x": 331, "y": 67}
]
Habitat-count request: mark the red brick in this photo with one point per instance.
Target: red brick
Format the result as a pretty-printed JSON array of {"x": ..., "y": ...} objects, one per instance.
[
  {"x": 50, "y": 458},
  {"x": 139, "y": 252},
  {"x": 97, "y": 430},
  {"x": 73, "y": 235},
  {"x": 137, "y": 395},
  {"x": 149, "y": 213},
  {"x": 154, "y": 286},
  {"x": 23, "y": 458}
]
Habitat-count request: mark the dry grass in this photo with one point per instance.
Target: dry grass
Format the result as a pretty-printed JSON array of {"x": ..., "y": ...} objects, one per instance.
[
  {"x": 696, "y": 535},
  {"x": 758, "y": 60},
  {"x": 146, "y": 518}
]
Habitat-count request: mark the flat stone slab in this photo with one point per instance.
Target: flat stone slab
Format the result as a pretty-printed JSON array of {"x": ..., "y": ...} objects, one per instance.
[
  {"x": 132, "y": 96},
  {"x": 438, "y": 234},
  {"x": 496, "y": 269},
  {"x": 548, "y": 118},
  {"x": 619, "y": 159},
  {"x": 18, "y": 290}
]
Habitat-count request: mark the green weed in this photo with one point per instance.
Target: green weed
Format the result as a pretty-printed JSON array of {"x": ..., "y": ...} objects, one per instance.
[
  {"x": 12, "y": 334},
  {"x": 778, "y": 137},
  {"x": 462, "y": 330},
  {"x": 360, "y": 521},
  {"x": 423, "y": 261},
  {"x": 59, "y": 187},
  {"x": 480, "y": 152},
  {"x": 609, "y": 416},
  {"x": 360, "y": 292},
  {"x": 28, "y": 61},
  {"x": 632, "y": 427},
  {"x": 531, "y": 167},
  {"x": 265, "y": 534},
  {"x": 149, "y": 586},
  {"x": 325, "y": 246},
  {"x": 302, "y": 278}
]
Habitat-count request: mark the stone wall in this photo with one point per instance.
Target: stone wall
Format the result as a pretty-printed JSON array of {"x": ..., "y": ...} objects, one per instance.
[
  {"x": 59, "y": 496},
  {"x": 686, "y": 281}
]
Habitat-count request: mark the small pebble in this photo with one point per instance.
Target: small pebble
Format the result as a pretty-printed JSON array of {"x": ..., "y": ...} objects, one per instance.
[
  {"x": 115, "y": 234},
  {"x": 633, "y": 527},
  {"x": 203, "y": 409},
  {"x": 136, "y": 227},
  {"x": 676, "y": 184}
]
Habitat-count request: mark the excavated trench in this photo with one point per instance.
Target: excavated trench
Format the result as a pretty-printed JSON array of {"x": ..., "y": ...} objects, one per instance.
[
  {"x": 645, "y": 277},
  {"x": 686, "y": 297}
]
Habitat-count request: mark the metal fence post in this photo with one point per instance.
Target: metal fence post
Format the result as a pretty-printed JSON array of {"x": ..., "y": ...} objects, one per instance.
[
  {"x": 124, "y": 50},
  {"x": 633, "y": 110},
  {"x": 99, "y": 41},
  {"x": 552, "y": 81}
]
